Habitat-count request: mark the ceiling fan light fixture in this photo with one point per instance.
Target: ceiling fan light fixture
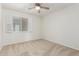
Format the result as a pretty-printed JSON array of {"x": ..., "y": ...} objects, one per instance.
[{"x": 37, "y": 8}]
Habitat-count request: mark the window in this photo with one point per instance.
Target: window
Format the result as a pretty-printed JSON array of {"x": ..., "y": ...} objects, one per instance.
[{"x": 20, "y": 24}]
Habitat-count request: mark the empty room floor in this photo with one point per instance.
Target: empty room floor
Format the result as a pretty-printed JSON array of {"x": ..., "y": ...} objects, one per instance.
[{"x": 37, "y": 48}]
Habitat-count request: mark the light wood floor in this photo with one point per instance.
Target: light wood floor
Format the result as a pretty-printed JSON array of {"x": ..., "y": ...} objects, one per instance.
[{"x": 37, "y": 48}]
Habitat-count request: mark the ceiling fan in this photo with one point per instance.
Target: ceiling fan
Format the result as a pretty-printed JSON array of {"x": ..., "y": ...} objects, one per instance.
[{"x": 38, "y": 7}]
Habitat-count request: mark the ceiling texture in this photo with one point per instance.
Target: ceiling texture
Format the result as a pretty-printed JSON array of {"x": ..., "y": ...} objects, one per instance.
[{"x": 24, "y": 7}]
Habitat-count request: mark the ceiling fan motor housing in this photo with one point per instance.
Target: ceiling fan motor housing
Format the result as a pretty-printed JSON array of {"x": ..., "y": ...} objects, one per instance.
[{"x": 37, "y": 4}]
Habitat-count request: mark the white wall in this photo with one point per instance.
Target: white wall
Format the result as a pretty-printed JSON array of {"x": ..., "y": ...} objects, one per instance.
[
  {"x": 63, "y": 27},
  {"x": 13, "y": 37},
  {"x": 0, "y": 24}
]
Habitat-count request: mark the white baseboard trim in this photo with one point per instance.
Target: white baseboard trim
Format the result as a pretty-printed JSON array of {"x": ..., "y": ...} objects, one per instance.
[{"x": 62, "y": 44}]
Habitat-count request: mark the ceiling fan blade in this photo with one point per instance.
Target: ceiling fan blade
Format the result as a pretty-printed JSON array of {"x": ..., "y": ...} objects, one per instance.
[{"x": 44, "y": 7}]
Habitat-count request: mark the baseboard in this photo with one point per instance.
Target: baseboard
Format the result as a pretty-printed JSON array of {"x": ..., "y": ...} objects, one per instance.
[
  {"x": 16, "y": 42},
  {"x": 63, "y": 44}
]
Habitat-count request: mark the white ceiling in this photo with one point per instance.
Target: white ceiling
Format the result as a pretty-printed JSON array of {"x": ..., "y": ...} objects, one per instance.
[{"x": 23, "y": 7}]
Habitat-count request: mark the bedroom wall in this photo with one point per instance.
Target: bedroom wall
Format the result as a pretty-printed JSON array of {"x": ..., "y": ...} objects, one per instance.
[
  {"x": 0, "y": 24},
  {"x": 33, "y": 32},
  {"x": 63, "y": 27}
]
